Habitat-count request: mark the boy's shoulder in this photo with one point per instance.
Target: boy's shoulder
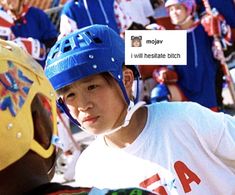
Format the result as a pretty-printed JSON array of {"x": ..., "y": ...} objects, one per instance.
[
  {"x": 168, "y": 110},
  {"x": 170, "y": 106}
]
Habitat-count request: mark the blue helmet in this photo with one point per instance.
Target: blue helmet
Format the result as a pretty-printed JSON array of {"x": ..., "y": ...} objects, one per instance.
[{"x": 87, "y": 51}]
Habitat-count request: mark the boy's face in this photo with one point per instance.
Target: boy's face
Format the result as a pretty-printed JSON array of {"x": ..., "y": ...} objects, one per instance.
[
  {"x": 95, "y": 103},
  {"x": 177, "y": 13}
]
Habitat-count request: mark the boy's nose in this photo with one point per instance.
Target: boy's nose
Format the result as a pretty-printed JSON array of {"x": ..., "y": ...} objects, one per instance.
[{"x": 84, "y": 103}]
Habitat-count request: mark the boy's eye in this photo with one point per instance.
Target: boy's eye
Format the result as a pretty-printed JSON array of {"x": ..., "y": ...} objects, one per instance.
[
  {"x": 70, "y": 95},
  {"x": 90, "y": 87}
]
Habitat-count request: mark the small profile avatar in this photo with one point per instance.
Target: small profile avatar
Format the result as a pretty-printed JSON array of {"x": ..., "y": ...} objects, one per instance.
[{"x": 136, "y": 41}]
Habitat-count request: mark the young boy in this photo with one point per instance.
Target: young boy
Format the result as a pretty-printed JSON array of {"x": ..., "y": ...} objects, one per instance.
[{"x": 169, "y": 148}]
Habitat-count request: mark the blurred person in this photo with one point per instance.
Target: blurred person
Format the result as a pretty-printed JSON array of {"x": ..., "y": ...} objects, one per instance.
[
  {"x": 163, "y": 75},
  {"x": 29, "y": 27},
  {"x": 77, "y": 14},
  {"x": 28, "y": 124},
  {"x": 197, "y": 79},
  {"x": 225, "y": 8},
  {"x": 223, "y": 14}
]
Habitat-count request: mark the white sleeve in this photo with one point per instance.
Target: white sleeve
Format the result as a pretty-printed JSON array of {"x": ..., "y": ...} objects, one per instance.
[
  {"x": 6, "y": 22},
  {"x": 123, "y": 20},
  {"x": 226, "y": 145},
  {"x": 147, "y": 7},
  {"x": 33, "y": 46},
  {"x": 67, "y": 25},
  {"x": 215, "y": 130}
]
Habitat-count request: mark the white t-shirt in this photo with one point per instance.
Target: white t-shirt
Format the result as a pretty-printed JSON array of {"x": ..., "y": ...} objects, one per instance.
[{"x": 183, "y": 148}]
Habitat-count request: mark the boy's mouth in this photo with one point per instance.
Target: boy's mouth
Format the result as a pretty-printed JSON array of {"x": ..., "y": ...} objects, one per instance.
[{"x": 90, "y": 119}]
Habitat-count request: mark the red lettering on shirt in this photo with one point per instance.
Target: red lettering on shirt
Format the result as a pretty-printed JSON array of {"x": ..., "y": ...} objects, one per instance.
[
  {"x": 161, "y": 190},
  {"x": 185, "y": 175}
]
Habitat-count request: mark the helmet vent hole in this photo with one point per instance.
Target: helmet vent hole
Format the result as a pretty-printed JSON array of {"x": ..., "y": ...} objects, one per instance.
[
  {"x": 67, "y": 46},
  {"x": 92, "y": 36},
  {"x": 97, "y": 40},
  {"x": 88, "y": 33}
]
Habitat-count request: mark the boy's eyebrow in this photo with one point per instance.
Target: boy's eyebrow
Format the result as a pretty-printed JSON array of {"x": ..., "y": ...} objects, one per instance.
[
  {"x": 87, "y": 79},
  {"x": 67, "y": 88},
  {"x": 64, "y": 90}
]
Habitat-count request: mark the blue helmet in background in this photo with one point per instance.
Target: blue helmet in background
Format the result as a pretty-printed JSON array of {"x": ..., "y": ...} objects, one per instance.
[{"x": 87, "y": 51}]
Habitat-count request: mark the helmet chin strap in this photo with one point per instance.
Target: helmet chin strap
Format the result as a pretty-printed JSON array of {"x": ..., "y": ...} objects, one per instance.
[
  {"x": 133, "y": 106},
  {"x": 130, "y": 111}
]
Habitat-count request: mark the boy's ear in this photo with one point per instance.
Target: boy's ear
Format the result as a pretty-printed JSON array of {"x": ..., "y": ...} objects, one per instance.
[{"x": 128, "y": 79}]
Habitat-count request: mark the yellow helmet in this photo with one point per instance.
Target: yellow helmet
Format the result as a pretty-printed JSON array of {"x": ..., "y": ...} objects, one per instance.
[{"x": 21, "y": 78}]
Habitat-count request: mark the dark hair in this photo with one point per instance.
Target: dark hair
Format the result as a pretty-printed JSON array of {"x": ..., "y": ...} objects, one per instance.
[{"x": 106, "y": 76}]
